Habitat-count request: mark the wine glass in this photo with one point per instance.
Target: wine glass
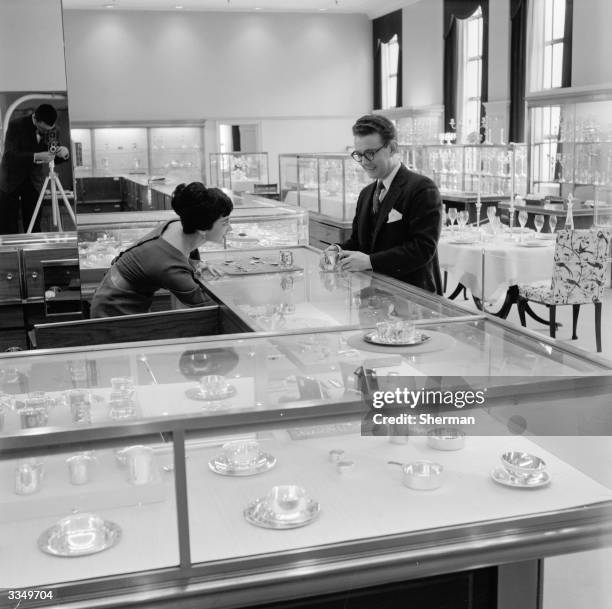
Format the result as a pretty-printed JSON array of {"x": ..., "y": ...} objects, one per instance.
[
  {"x": 452, "y": 216},
  {"x": 462, "y": 219},
  {"x": 491, "y": 213},
  {"x": 522, "y": 218},
  {"x": 552, "y": 222},
  {"x": 538, "y": 222}
]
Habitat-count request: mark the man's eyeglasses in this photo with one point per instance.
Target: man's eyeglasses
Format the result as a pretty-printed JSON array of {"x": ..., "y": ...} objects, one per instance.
[{"x": 368, "y": 155}]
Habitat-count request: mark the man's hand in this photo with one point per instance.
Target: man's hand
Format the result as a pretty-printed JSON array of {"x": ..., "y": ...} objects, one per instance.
[
  {"x": 43, "y": 157},
  {"x": 62, "y": 152},
  {"x": 355, "y": 261}
]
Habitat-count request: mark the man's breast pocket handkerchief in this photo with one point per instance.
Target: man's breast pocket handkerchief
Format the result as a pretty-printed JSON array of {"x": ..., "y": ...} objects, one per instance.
[{"x": 394, "y": 216}]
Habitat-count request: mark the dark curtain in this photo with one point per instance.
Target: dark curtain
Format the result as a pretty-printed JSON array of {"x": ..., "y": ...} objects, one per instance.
[
  {"x": 518, "y": 69},
  {"x": 453, "y": 10},
  {"x": 235, "y": 138},
  {"x": 566, "y": 75},
  {"x": 383, "y": 29}
]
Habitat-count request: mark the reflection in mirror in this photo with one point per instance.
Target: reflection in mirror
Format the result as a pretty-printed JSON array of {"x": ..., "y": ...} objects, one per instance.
[{"x": 35, "y": 175}]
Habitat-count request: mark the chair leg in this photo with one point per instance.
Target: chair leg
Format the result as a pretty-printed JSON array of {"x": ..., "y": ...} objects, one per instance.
[
  {"x": 575, "y": 313},
  {"x": 598, "y": 326},
  {"x": 444, "y": 282},
  {"x": 521, "y": 304},
  {"x": 465, "y": 296},
  {"x": 553, "y": 317}
]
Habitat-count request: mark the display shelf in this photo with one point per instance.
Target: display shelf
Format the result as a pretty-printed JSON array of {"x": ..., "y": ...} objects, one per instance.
[
  {"x": 491, "y": 169},
  {"x": 570, "y": 134},
  {"x": 238, "y": 171},
  {"x": 149, "y": 149}
]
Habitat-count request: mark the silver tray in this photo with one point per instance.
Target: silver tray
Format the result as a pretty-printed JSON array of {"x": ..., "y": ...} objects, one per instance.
[
  {"x": 222, "y": 466},
  {"x": 372, "y": 338},
  {"x": 503, "y": 476},
  {"x": 54, "y": 541},
  {"x": 195, "y": 393},
  {"x": 258, "y": 514}
]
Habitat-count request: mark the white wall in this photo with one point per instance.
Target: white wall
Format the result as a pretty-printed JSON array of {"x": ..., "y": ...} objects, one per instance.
[
  {"x": 592, "y": 43},
  {"x": 125, "y": 65},
  {"x": 31, "y": 46},
  {"x": 423, "y": 54}
]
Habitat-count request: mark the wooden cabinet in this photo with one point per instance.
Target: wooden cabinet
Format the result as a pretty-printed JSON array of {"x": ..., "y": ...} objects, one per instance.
[{"x": 9, "y": 276}]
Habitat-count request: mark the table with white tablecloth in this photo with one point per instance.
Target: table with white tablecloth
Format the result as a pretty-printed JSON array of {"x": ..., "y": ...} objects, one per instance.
[{"x": 489, "y": 265}]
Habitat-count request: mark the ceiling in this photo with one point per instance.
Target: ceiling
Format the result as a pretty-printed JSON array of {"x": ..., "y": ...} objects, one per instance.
[{"x": 371, "y": 8}]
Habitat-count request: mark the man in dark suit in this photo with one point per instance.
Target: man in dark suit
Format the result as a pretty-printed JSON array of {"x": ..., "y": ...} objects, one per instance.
[
  {"x": 398, "y": 218},
  {"x": 24, "y": 166}
]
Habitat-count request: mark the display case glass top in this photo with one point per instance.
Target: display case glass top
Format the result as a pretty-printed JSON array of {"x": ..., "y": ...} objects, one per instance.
[
  {"x": 326, "y": 184},
  {"x": 238, "y": 171}
]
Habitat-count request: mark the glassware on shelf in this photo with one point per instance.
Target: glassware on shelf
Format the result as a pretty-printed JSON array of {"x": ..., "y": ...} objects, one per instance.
[
  {"x": 569, "y": 218},
  {"x": 552, "y": 222}
]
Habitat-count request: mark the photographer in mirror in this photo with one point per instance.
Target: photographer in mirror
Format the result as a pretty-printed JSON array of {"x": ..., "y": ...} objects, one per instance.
[{"x": 31, "y": 143}]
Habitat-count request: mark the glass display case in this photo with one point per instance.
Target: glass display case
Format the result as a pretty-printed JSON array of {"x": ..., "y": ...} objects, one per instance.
[
  {"x": 325, "y": 184},
  {"x": 570, "y": 136},
  {"x": 245, "y": 470},
  {"x": 238, "y": 171},
  {"x": 173, "y": 150},
  {"x": 102, "y": 236},
  {"x": 455, "y": 168}
]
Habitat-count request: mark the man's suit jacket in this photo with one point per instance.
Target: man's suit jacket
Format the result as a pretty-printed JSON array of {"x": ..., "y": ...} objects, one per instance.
[
  {"x": 18, "y": 164},
  {"x": 402, "y": 240}
]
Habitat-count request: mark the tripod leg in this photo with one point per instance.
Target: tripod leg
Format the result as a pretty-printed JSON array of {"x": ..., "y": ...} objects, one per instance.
[
  {"x": 41, "y": 196},
  {"x": 57, "y": 223},
  {"x": 65, "y": 199}
]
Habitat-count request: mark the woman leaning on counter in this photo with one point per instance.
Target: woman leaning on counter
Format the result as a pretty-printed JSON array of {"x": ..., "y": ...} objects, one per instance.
[{"x": 161, "y": 259}]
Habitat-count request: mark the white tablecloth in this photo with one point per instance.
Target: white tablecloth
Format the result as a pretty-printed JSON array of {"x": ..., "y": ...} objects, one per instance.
[{"x": 506, "y": 263}]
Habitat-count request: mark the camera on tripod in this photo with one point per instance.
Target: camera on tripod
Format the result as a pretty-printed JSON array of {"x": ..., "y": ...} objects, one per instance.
[{"x": 52, "y": 141}]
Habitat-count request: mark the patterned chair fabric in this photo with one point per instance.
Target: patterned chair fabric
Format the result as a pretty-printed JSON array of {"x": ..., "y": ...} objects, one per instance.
[{"x": 578, "y": 271}]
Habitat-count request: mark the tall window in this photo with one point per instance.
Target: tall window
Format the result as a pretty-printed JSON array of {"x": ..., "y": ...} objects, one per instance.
[
  {"x": 550, "y": 44},
  {"x": 469, "y": 82},
  {"x": 387, "y": 55},
  {"x": 389, "y": 58}
]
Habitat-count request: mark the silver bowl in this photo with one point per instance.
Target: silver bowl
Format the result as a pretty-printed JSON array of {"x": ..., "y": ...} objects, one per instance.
[
  {"x": 423, "y": 475},
  {"x": 522, "y": 464},
  {"x": 446, "y": 438}
]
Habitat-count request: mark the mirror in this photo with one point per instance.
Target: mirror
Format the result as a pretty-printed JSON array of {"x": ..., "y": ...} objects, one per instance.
[{"x": 32, "y": 72}]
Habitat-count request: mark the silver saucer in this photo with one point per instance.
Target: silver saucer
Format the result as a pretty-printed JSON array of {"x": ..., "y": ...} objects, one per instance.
[
  {"x": 221, "y": 465},
  {"x": 79, "y": 543},
  {"x": 503, "y": 476},
  {"x": 260, "y": 515},
  {"x": 372, "y": 338},
  {"x": 195, "y": 393}
]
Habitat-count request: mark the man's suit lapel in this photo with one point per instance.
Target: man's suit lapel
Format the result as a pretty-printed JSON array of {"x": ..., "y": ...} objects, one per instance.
[{"x": 388, "y": 202}]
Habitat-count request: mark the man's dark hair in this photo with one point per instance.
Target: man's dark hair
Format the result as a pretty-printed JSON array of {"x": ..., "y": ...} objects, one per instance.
[
  {"x": 46, "y": 113},
  {"x": 375, "y": 123}
]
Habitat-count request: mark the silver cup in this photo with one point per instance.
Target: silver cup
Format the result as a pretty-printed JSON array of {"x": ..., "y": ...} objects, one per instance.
[
  {"x": 28, "y": 476},
  {"x": 139, "y": 460},
  {"x": 80, "y": 468}
]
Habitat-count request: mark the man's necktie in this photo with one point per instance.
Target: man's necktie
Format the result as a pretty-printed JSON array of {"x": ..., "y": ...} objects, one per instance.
[{"x": 378, "y": 194}]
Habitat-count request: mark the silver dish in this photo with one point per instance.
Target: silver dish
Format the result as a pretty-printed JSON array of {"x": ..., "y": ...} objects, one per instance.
[
  {"x": 446, "y": 438},
  {"x": 195, "y": 393},
  {"x": 79, "y": 535},
  {"x": 259, "y": 514},
  {"x": 220, "y": 464},
  {"x": 520, "y": 463},
  {"x": 503, "y": 476},
  {"x": 372, "y": 338}
]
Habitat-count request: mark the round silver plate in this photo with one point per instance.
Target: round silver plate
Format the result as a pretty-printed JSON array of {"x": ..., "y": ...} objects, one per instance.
[
  {"x": 52, "y": 541},
  {"x": 258, "y": 514},
  {"x": 502, "y": 476},
  {"x": 195, "y": 393},
  {"x": 221, "y": 465},
  {"x": 372, "y": 338}
]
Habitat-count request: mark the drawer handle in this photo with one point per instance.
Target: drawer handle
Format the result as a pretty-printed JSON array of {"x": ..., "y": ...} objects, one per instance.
[
  {"x": 9, "y": 276},
  {"x": 34, "y": 275}
]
